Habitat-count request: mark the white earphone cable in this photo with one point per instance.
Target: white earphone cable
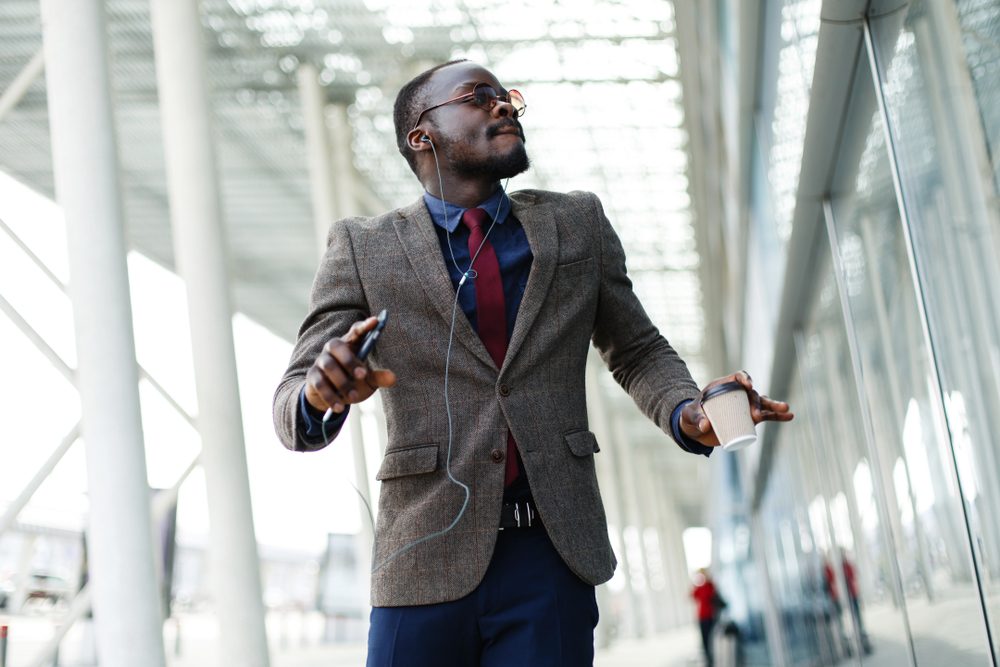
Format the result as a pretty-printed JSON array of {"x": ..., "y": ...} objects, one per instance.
[{"x": 469, "y": 273}]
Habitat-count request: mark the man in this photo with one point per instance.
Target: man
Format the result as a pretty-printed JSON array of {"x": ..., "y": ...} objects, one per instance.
[{"x": 491, "y": 533}]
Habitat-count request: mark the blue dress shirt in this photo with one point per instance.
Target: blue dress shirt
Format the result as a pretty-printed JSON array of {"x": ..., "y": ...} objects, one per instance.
[{"x": 514, "y": 256}]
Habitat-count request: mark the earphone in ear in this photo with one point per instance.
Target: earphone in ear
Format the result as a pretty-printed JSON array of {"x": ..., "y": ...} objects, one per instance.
[{"x": 425, "y": 139}]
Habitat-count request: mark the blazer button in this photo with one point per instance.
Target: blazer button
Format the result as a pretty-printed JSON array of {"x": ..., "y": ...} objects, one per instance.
[
  {"x": 497, "y": 455},
  {"x": 504, "y": 390}
]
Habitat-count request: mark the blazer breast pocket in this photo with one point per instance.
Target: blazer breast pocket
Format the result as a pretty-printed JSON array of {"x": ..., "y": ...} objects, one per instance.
[
  {"x": 576, "y": 269},
  {"x": 415, "y": 460},
  {"x": 574, "y": 294}
]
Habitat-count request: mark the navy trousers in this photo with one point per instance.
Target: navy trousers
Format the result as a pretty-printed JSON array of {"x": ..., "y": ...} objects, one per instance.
[{"x": 530, "y": 610}]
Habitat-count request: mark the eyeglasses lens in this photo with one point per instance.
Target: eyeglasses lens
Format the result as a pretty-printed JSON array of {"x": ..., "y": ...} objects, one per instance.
[
  {"x": 517, "y": 101},
  {"x": 486, "y": 97}
]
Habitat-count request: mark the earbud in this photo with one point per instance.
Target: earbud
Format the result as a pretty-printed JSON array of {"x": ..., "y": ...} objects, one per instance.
[{"x": 425, "y": 139}]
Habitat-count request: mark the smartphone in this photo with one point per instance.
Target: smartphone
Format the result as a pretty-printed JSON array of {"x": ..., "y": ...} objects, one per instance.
[
  {"x": 367, "y": 345},
  {"x": 372, "y": 336}
]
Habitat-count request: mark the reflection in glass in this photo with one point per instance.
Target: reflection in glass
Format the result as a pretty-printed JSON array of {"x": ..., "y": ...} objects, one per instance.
[
  {"x": 979, "y": 24},
  {"x": 942, "y": 603},
  {"x": 864, "y": 580},
  {"x": 798, "y": 35},
  {"x": 935, "y": 62}
]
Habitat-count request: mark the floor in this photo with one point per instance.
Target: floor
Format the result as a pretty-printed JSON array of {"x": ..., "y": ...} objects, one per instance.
[{"x": 293, "y": 645}]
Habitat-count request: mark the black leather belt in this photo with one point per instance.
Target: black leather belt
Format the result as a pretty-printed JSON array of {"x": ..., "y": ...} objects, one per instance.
[{"x": 521, "y": 514}]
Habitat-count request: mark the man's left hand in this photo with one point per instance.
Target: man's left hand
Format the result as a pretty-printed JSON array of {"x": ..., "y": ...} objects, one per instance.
[{"x": 696, "y": 425}]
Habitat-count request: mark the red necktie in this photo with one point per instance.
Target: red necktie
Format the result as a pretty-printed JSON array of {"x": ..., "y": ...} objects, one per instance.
[{"x": 491, "y": 309}]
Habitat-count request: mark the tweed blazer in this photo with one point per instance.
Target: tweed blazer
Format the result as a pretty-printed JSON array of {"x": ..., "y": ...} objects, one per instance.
[{"x": 577, "y": 292}]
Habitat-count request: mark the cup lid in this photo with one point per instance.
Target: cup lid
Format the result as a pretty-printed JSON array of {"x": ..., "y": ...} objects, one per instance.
[{"x": 718, "y": 389}]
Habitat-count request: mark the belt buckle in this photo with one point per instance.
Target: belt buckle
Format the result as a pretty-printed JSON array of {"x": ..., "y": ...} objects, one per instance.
[{"x": 523, "y": 519}]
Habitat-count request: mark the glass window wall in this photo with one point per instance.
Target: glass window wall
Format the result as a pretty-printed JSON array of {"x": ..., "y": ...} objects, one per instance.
[
  {"x": 832, "y": 556},
  {"x": 942, "y": 109},
  {"x": 912, "y": 451},
  {"x": 881, "y": 515}
]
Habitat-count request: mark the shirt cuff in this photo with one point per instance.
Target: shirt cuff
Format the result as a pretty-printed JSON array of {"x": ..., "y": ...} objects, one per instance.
[
  {"x": 686, "y": 443},
  {"x": 311, "y": 422}
]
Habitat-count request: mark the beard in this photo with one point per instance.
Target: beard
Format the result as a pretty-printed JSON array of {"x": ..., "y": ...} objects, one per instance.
[{"x": 495, "y": 166}]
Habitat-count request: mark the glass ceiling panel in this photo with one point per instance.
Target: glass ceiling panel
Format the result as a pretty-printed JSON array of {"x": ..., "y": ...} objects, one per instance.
[{"x": 604, "y": 114}]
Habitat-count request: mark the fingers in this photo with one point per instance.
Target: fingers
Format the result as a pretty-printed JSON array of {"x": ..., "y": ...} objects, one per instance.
[
  {"x": 342, "y": 354},
  {"x": 358, "y": 330},
  {"x": 343, "y": 349},
  {"x": 766, "y": 409},
  {"x": 338, "y": 378},
  {"x": 771, "y": 416},
  {"x": 381, "y": 378},
  {"x": 321, "y": 393},
  {"x": 331, "y": 376},
  {"x": 695, "y": 424},
  {"x": 744, "y": 379},
  {"x": 771, "y": 404}
]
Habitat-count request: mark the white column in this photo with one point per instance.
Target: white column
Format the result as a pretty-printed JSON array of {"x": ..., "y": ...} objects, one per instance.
[
  {"x": 626, "y": 454},
  {"x": 616, "y": 507},
  {"x": 85, "y": 159},
  {"x": 318, "y": 152},
  {"x": 345, "y": 178},
  {"x": 330, "y": 187},
  {"x": 201, "y": 259},
  {"x": 678, "y": 579},
  {"x": 659, "y": 499},
  {"x": 648, "y": 489},
  {"x": 366, "y": 538}
]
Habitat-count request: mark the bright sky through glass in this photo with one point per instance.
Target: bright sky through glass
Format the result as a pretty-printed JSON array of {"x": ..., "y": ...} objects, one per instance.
[{"x": 47, "y": 406}]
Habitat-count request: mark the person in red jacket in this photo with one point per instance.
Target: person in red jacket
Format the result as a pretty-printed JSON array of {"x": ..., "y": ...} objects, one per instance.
[
  {"x": 851, "y": 581},
  {"x": 708, "y": 604}
]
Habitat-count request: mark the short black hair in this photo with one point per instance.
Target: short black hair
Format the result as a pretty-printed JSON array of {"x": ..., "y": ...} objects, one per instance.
[{"x": 409, "y": 103}]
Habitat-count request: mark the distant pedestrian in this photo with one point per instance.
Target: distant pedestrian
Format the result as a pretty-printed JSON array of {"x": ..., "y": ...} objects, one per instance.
[
  {"x": 851, "y": 580},
  {"x": 709, "y": 604}
]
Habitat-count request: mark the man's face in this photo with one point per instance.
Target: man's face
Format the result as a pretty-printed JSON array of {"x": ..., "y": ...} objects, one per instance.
[{"x": 469, "y": 139}]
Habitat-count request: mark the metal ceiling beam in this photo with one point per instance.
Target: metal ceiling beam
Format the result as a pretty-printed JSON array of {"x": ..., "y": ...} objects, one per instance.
[
  {"x": 21, "y": 83},
  {"x": 700, "y": 122},
  {"x": 839, "y": 48}
]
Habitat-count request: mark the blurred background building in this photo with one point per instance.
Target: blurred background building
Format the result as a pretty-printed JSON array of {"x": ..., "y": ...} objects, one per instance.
[{"x": 805, "y": 189}]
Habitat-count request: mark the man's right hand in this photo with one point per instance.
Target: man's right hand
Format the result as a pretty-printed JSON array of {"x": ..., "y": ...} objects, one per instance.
[{"x": 338, "y": 378}]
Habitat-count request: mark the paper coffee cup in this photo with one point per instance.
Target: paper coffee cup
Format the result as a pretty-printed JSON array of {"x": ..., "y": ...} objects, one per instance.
[{"x": 728, "y": 408}]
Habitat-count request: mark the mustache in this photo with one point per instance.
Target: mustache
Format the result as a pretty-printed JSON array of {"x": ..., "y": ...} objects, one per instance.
[{"x": 503, "y": 124}]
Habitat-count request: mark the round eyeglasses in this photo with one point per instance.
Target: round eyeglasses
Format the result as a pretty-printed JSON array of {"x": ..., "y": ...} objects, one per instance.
[{"x": 485, "y": 97}]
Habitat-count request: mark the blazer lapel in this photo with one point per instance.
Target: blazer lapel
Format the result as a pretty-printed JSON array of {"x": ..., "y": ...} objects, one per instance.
[
  {"x": 415, "y": 230},
  {"x": 539, "y": 226}
]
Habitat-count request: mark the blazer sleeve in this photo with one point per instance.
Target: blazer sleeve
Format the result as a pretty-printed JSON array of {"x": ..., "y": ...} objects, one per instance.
[
  {"x": 336, "y": 302},
  {"x": 641, "y": 360}
]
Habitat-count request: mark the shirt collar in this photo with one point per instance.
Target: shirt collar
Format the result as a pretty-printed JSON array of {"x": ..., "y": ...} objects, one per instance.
[{"x": 498, "y": 204}]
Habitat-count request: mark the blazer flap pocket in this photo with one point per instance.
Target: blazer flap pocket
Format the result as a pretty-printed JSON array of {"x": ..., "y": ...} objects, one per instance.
[
  {"x": 582, "y": 443},
  {"x": 409, "y": 461},
  {"x": 578, "y": 267}
]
